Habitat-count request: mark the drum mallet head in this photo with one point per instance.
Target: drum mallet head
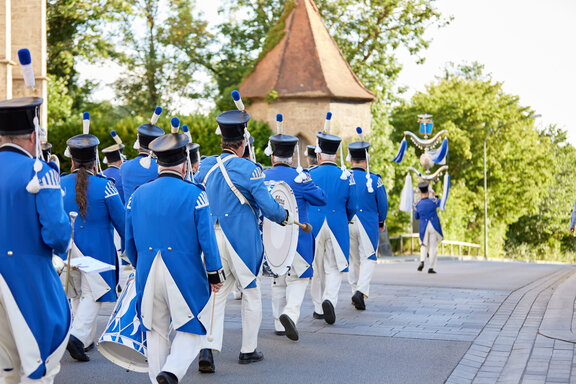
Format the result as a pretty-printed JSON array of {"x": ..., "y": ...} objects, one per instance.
[{"x": 306, "y": 227}]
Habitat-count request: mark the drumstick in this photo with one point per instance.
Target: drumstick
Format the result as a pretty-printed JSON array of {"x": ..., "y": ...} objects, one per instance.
[
  {"x": 73, "y": 216},
  {"x": 306, "y": 227},
  {"x": 210, "y": 337}
]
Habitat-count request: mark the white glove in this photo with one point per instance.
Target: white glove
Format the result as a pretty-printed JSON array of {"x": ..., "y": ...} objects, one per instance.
[{"x": 289, "y": 220}]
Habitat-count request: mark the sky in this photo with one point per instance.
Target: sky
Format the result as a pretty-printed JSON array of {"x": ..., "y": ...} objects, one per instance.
[{"x": 529, "y": 45}]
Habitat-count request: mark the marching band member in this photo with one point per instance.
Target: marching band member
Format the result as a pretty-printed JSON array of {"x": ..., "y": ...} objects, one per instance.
[
  {"x": 168, "y": 228},
  {"x": 311, "y": 156},
  {"x": 34, "y": 311},
  {"x": 288, "y": 290},
  {"x": 101, "y": 211},
  {"x": 143, "y": 168},
  {"x": 430, "y": 229},
  {"x": 330, "y": 225},
  {"x": 114, "y": 157},
  {"x": 370, "y": 219},
  {"x": 237, "y": 194}
]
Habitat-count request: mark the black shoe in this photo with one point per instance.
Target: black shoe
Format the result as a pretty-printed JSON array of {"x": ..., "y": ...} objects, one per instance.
[
  {"x": 318, "y": 316},
  {"x": 329, "y": 314},
  {"x": 206, "y": 361},
  {"x": 76, "y": 349},
  {"x": 280, "y": 333},
  {"x": 358, "y": 300},
  {"x": 431, "y": 270},
  {"x": 89, "y": 348},
  {"x": 290, "y": 327},
  {"x": 247, "y": 358},
  {"x": 421, "y": 266},
  {"x": 166, "y": 378}
]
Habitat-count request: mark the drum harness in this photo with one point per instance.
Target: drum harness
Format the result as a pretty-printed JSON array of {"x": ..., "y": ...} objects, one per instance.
[{"x": 233, "y": 188}]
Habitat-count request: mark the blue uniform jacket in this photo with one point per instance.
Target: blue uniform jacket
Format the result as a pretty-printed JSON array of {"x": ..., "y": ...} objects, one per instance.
[
  {"x": 113, "y": 172},
  {"x": 33, "y": 225},
  {"x": 306, "y": 193},
  {"x": 240, "y": 223},
  {"x": 94, "y": 233},
  {"x": 134, "y": 175},
  {"x": 341, "y": 205},
  {"x": 372, "y": 207},
  {"x": 426, "y": 212},
  {"x": 172, "y": 216}
]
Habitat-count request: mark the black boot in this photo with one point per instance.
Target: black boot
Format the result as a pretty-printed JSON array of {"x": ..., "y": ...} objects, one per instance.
[
  {"x": 76, "y": 349},
  {"x": 206, "y": 361},
  {"x": 166, "y": 378},
  {"x": 247, "y": 358},
  {"x": 431, "y": 270},
  {"x": 289, "y": 326},
  {"x": 329, "y": 313},
  {"x": 421, "y": 266},
  {"x": 358, "y": 300}
]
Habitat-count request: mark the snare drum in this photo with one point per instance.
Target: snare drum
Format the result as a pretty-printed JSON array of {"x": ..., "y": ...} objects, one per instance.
[{"x": 124, "y": 341}]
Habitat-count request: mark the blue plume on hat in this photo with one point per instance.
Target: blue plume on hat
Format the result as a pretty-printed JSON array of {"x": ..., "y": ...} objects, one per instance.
[
  {"x": 360, "y": 134},
  {"x": 26, "y": 65},
  {"x": 115, "y": 137},
  {"x": 327, "y": 122},
  {"x": 185, "y": 128},
  {"x": 238, "y": 100},
  {"x": 156, "y": 115},
  {"x": 86, "y": 123},
  {"x": 279, "y": 124},
  {"x": 329, "y": 116},
  {"x": 279, "y": 117},
  {"x": 175, "y": 123},
  {"x": 24, "y": 56}
]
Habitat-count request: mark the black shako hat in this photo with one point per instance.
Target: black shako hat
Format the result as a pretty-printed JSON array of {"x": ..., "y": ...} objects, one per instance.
[
  {"x": 17, "y": 115},
  {"x": 358, "y": 150},
  {"x": 83, "y": 148},
  {"x": 46, "y": 150},
  {"x": 232, "y": 124},
  {"x": 170, "y": 149},
  {"x": 283, "y": 145},
  {"x": 193, "y": 151},
  {"x": 328, "y": 143},
  {"x": 311, "y": 151},
  {"x": 423, "y": 186},
  {"x": 113, "y": 153},
  {"x": 246, "y": 153},
  {"x": 147, "y": 133}
]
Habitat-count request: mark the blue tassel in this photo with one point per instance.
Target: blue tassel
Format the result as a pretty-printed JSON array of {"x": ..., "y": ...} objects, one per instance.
[
  {"x": 442, "y": 153},
  {"x": 401, "y": 152}
]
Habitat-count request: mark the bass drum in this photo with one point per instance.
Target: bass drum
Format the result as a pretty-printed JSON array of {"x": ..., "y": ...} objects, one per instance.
[
  {"x": 280, "y": 241},
  {"x": 124, "y": 341}
]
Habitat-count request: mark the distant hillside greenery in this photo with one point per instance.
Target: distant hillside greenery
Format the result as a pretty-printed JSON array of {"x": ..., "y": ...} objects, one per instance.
[{"x": 177, "y": 55}]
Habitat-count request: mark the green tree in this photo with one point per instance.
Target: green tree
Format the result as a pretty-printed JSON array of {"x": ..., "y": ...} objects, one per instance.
[
  {"x": 469, "y": 105},
  {"x": 160, "y": 58},
  {"x": 544, "y": 233}
]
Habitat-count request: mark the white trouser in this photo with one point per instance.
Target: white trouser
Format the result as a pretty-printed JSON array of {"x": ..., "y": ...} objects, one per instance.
[
  {"x": 9, "y": 352},
  {"x": 85, "y": 315},
  {"x": 327, "y": 277},
  {"x": 162, "y": 355},
  {"x": 251, "y": 305},
  {"x": 287, "y": 296},
  {"x": 361, "y": 268},
  {"x": 430, "y": 245}
]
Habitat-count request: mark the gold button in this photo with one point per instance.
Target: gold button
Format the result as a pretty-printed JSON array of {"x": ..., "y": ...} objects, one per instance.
[
  {"x": 81, "y": 227},
  {"x": 150, "y": 248},
  {"x": 226, "y": 215},
  {"x": 10, "y": 253},
  {"x": 333, "y": 211},
  {"x": 360, "y": 210},
  {"x": 169, "y": 248}
]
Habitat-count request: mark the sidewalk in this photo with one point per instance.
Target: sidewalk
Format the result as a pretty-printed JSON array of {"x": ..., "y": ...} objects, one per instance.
[{"x": 472, "y": 322}]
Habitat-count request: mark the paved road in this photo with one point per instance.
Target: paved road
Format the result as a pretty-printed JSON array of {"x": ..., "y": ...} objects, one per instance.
[{"x": 418, "y": 328}]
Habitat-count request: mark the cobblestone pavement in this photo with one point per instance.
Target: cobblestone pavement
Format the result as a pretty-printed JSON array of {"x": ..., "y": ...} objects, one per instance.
[{"x": 473, "y": 322}]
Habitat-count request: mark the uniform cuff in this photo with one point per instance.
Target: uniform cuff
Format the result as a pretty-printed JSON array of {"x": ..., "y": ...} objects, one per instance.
[{"x": 216, "y": 277}]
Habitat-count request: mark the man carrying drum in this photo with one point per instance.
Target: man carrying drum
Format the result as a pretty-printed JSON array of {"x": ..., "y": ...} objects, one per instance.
[
  {"x": 238, "y": 196},
  {"x": 168, "y": 228},
  {"x": 289, "y": 289}
]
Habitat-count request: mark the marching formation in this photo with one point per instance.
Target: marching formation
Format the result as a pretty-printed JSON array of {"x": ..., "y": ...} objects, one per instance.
[{"x": 192, "y": 229}]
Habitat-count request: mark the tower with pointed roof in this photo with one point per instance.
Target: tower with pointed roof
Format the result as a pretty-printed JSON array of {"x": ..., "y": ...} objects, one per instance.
[{"x": 307, "y": 75}]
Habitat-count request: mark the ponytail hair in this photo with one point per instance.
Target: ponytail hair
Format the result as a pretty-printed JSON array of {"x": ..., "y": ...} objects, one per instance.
[{"x": 82, "y": 185}]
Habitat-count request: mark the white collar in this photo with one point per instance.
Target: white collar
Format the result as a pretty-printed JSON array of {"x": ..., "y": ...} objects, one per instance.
[{"x": 17, "y": 147}]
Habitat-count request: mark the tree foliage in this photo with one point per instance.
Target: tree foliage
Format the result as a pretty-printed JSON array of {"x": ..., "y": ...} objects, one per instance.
[{"x": 518, "y": 158}]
